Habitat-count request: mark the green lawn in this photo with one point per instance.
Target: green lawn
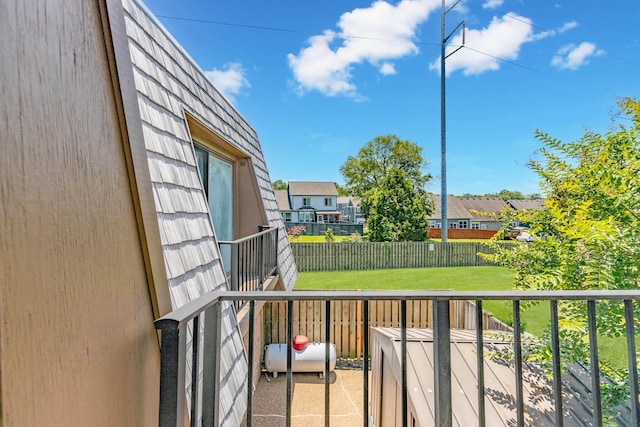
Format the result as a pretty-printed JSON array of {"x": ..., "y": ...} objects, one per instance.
[
  {"x": 318, "y": 239},
  {"x": 535, "y": 318}
]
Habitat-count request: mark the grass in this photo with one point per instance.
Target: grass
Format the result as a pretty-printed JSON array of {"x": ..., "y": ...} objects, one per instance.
[
  {"x": 318, "y": 239},
  {"x": 535, "y": 318}
]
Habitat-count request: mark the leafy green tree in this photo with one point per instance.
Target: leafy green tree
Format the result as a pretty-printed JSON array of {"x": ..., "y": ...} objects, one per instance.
[
  {"x": 341, "y": 190},
  {"x": 589, "y": 231},
  {"x": 377, "y": 158},
  {"x": 279, "y": 184},
  {"x": 329, "y": 237},
  {"x": 398, "y": 209}
]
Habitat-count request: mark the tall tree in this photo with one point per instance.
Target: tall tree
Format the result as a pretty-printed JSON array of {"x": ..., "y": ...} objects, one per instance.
[
  {"x": 279, "y": 184},
  {"x": 377, "y": 158},
  {"x": 397, "y": 209},
  {"x": 590, "y": 229}
]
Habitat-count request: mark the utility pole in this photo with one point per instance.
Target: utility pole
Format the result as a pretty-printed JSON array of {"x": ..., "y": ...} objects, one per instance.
[{"x": 444, "y": 224}]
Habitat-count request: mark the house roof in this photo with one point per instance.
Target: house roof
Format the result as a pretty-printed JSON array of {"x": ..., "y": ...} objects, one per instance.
[
  {"x": 355, "y": 201},
  {"x": 499, "y": 380},
  {"x": 282, "y": 199},
  {"x": 482, "y": 204},
  {"x": 308, "y": 188},
  {"x": 455, "y": 209},
  {"x": 527, "y": 204}
]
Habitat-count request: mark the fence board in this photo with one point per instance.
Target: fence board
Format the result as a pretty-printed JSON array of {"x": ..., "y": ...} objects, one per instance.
[
  {"x": 347, "y": 321},
  {"x": 376, "y": 255}
]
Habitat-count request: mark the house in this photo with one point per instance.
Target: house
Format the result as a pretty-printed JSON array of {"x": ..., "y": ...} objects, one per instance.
[
  {"x": 126, "y": 176},
  {"x": 313, "y": 201},
  {"x": 527, "y": 204},
  {"x": 314, "y": 205},
  {"x": 350, "y": 210},
  {"x": 464, "y": 216}
]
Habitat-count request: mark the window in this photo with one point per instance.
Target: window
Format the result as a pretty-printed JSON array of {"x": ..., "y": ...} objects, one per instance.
[
  {"x": 475, "y": 225},
  {"x": 286, "y": 216},
  {"x": 432, "y": 224},
  {"x": 306, "y": 201},
  {"x": 305, "y": 216},
  {"x": 453, "y": 225},
  {"x": 217, "y": 178},
  {"x": 463, "y": 223},
  {"x": 327, "y": 201}
]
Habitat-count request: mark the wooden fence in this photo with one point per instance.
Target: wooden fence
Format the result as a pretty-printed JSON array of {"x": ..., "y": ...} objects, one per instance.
[
  {"x": 375, "y": 255},
  {"x": 347, "y": 321},
  {"x": 319, "y": 228}
]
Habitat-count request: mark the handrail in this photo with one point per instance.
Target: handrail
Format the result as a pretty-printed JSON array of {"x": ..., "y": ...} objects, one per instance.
[
  {"x": 244, "y": 239},
  {"x": 253, "y": 260},
  {"x": 174, "y": 347}
]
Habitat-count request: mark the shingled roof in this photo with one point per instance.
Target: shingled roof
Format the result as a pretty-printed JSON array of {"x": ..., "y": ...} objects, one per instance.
[{"x": 307, "y": 188}]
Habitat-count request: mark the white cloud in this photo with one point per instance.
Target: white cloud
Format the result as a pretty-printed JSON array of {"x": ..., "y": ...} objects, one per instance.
[
  {"x": 387, "y": 69},
  {"x": 567, "y": 26},
  {"x": 573, "y": 56},
  {"x": 230, "y": 80},
  {"x": 492, "y": 4},
  {"x": 375, "y": 34},
  {"x": 551, "y": 33},
  {"x": 502, "y": 39}
]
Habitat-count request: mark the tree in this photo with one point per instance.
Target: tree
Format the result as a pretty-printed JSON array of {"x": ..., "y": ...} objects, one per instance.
[
  {"x": 279, "y": 184},
  {"x": 398, "y": 209},
  {"x": 377, "y": 158},
  {"x": 341, "y": 190},
  {"x": 590, "y": 230}
]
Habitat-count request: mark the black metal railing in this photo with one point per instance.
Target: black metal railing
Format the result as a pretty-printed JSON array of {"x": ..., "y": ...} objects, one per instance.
[
  {"x": 174, "y": 352},
  {"x": 253, "y": 260}
]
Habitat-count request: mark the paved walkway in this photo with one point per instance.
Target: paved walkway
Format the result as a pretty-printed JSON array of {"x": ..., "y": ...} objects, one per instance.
[{"x": 307, "y": 409}]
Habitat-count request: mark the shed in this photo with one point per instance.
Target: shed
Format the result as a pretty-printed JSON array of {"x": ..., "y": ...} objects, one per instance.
[{"x": 499, "y": 377}]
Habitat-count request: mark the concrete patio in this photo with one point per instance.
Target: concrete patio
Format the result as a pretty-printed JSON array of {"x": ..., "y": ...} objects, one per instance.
[{"x": 307, "y": 409}]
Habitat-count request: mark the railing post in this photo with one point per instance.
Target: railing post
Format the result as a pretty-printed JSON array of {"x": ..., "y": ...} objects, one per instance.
[
  {"x": 172, "y": 374},
  {"x": 442, "y": 363},
  {"x": 211, "y": 365},
  {"x": 633, "y": 362},
  {"x": 235, "y": 271}
]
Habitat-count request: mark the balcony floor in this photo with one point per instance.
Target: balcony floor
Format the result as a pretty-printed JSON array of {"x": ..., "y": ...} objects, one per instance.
[{"x": 307, "y": 407}]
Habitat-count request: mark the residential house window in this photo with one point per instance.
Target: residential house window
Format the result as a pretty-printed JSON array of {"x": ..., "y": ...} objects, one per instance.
[
  {"x": 463, "y": 223},
  {"x": 432, "y": 224},
  {"x": 306, "y": 201},
  {"x": 475, "y": 225},
  {"x": 216, "y": 173},
  {"x": 453, "y": 225},
  {"x": 286, "y": 216},
  {"x": 327, "y": 201},
  {"x": 305, "y": 216}
]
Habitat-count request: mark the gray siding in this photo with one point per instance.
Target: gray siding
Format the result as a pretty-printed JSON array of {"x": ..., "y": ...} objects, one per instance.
[{"x": 168, "y": 84}]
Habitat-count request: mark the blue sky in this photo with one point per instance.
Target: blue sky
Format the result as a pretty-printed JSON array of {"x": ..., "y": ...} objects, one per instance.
[{"x": 319, "y": 79}]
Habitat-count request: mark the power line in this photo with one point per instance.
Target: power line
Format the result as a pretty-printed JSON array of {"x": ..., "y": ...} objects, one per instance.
[{"x": 229, "y": 24}]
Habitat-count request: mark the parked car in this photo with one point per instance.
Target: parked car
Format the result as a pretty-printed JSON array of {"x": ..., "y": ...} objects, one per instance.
[
  {"x": 524, "y": 237},
  {"x": 513, "y": 233}
]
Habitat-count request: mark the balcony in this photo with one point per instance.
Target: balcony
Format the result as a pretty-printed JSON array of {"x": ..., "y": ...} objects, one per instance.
[
  {"x": 444, "y": 401},
  {"x": 254, "y": 260}
]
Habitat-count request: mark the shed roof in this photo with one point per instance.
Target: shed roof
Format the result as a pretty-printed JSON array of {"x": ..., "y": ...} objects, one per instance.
[
  {"x": 499, "y": 382},
  {"x": 282, "y": 199},
  {"x": 308, "y": 188}
]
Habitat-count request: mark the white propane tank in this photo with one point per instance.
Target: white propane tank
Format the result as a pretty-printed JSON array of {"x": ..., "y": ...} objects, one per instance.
[{"x": 311, "y": 359}]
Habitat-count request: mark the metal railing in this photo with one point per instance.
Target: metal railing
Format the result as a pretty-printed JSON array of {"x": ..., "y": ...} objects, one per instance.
[
  {"x": 174, "y": 331},
  {"x": 253, "y": 260}
]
